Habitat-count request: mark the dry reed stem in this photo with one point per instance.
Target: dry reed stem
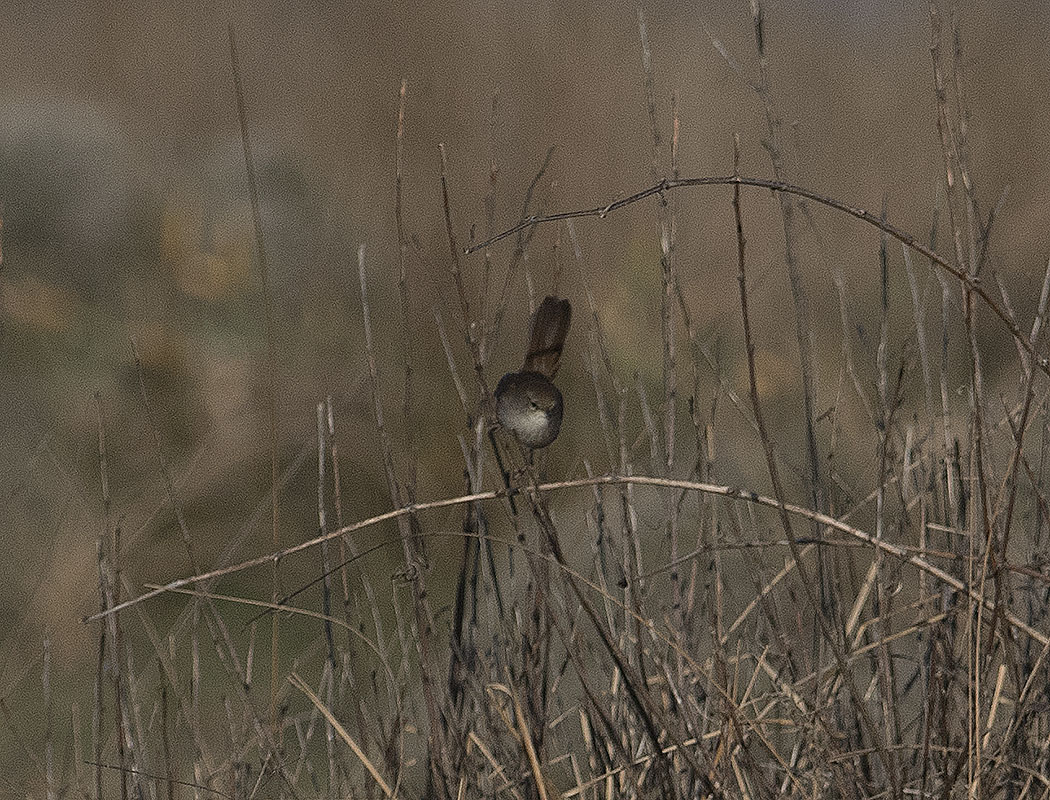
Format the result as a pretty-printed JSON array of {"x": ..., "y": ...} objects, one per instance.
[
  {"x": 271, "y": 344},
  {"x": 304, "y": 687}
]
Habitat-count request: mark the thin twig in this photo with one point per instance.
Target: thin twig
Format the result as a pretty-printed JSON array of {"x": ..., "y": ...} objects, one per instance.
[{"x": 666, "y": 185}]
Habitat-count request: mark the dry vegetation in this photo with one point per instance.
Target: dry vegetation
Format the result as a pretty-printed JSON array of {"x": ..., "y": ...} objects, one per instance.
[{"x": 865, "y": 616}]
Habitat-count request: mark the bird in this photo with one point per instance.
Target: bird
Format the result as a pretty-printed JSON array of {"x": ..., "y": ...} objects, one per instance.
[{"x": 528, "y": 404}]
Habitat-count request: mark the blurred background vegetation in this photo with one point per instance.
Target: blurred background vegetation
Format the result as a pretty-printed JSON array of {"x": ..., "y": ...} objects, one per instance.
[{"x": 126, "y": 220}]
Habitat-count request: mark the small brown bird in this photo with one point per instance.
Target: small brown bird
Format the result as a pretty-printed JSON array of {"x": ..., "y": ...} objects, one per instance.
[{"x": 528, "y": 405}]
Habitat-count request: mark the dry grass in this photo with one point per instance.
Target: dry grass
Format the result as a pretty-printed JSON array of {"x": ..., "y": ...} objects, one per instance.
[{"x": 866, "y": 617}]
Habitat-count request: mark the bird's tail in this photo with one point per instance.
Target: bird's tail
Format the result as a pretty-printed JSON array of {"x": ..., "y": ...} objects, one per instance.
[{"x": 550, "y": 326}]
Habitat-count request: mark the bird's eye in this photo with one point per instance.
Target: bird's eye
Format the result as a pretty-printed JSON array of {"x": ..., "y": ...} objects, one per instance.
[{"x": 532, "y": 405}]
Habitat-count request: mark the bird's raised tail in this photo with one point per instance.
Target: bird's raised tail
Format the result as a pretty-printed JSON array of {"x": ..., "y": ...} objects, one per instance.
[{"x": 550, "y": 326}]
